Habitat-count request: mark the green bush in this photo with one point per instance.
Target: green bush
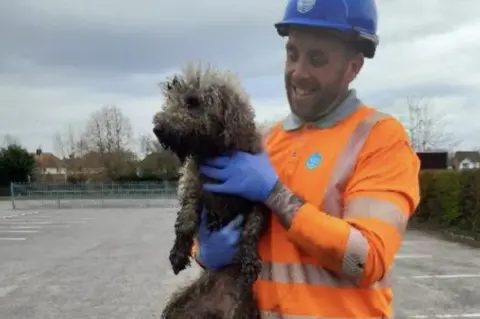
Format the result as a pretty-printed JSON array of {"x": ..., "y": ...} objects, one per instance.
[
  {"x": 450, "y": 199},
  {"x": 16, "y": 165}
]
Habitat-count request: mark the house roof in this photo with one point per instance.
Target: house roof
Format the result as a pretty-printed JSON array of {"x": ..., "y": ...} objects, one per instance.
[
  {"x": 462, "y": 155},
  {"x": 48, "y": 160}
]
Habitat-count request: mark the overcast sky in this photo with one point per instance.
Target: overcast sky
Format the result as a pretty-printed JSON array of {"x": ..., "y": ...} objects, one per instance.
[{"x": 61, "y": 60}]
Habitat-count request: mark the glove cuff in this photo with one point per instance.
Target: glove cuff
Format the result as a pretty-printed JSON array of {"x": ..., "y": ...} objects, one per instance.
[
  {"x": 268, "y": 188},
  {"x": 197, "y": 259}
]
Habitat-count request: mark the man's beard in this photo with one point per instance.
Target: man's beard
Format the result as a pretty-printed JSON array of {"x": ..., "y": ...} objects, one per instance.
[{"x": 322, "y": 102}]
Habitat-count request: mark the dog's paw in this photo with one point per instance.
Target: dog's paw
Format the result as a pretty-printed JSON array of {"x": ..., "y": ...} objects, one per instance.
[
  {"x": 179, "y": 260},
  {"x": 251, "y": 271},
  {"x": 250, "y": 267}
]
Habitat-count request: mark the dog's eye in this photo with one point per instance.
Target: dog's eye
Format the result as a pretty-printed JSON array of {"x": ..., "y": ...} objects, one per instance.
[{"x": 192, "y": 102}]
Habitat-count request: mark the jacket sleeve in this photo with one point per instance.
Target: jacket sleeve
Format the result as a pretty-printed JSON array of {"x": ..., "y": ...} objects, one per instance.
[{"x": 379, "y": 198}]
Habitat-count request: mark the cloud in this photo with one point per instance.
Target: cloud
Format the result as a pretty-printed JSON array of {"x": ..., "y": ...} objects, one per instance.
[{"x": 61, "y": 60}]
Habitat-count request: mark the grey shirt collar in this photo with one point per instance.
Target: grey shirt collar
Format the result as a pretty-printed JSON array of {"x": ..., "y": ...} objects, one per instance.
[{"x": 345, "y": 109}]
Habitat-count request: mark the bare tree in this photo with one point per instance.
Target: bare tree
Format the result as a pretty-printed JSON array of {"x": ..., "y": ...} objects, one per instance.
[
  {"x": 149, "y": 144},
  {"x": 158, "y": 161},
  {"x": 108, "y": 130},
  {"x": 69, "y": 143},
  {"x": 109, "y": 133},
  {"x": 428, "y": 128}
]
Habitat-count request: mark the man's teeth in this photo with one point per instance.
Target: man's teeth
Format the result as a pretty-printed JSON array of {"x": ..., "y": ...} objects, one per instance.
[{"x": 299, "y": 91}]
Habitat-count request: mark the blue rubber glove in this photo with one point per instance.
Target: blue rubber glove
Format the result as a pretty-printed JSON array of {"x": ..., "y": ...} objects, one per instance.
[
  {"x": 217, "y": 249},
  {"x": 251, "y": 176}
]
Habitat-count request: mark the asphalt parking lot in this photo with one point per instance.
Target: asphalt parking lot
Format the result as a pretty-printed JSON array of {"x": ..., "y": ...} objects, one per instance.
[{"x": 112, "y": 263}]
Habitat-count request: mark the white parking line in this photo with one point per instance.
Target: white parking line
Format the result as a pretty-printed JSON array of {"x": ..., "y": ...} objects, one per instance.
[
  {"x": 452, "y": 276},
  {"x": 6, "y": 290},
  {"x": 20, "y": 227},
  {"x": 412, "y": 256},
  {"x": 71, "y": 221},
  {"x": 55, "y": 218},
  {"x": 18, "y": 215},
  {"x": 26, "y": 222},
  {"x": 18, "y": 231},
  {"x": 35, "y": 227},
  {"x": 12, "y": 238},
  {"x": 39, "y": 216},
  {"x": 23, "y": 223},
  {"x": 447, "y": 316},
  {"x": 418, "y": 242}
]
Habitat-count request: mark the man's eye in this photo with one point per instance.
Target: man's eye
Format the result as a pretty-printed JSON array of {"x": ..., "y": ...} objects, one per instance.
[
  {"x": 318, "y": 60},
  {"x": 291, "y": 56}
]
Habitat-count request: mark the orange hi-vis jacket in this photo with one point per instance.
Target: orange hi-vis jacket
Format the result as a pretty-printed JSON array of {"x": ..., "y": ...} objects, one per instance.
[{"x": 358, "y": 176}]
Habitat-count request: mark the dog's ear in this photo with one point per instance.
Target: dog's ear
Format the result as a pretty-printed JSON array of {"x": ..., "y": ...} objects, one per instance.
[
  {"x": 236, "y": 116},
  {"x": 175, "y": 82},
  {"x": 171, "y": 84}
]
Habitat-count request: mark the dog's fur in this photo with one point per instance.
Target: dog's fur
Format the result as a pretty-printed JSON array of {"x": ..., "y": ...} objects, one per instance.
[{"x": 206, "y": 114}]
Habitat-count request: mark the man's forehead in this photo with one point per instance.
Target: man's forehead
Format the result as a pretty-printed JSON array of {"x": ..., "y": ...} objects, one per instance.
[{"x": 317, "y": 35}]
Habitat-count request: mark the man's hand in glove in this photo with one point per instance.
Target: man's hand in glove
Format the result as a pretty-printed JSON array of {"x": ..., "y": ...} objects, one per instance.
[
  {"x": 251, "y": 176},
  {"x": 217, "y": 249}
]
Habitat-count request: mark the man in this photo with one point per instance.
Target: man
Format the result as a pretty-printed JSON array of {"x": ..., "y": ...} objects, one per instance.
[{"x": 340, "y": 178}]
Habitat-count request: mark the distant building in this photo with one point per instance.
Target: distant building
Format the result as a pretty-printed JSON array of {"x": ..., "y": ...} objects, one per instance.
[
  {"x": 49, "y": 167},
  {"x": 465, "y": 160}
]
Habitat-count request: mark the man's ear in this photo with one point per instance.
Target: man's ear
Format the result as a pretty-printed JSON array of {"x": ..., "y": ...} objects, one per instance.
[{"x": 355, "y": 66}]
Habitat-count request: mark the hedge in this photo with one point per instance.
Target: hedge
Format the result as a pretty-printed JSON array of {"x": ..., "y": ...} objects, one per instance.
[{"x": 450, "y": 200}]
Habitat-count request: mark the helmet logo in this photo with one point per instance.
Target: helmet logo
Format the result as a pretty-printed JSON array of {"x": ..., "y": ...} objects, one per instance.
[{"x": 303, "y": 6}]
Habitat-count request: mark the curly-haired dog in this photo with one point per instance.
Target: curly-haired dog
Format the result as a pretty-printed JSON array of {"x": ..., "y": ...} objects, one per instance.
[{"x": 207, "y": 114}]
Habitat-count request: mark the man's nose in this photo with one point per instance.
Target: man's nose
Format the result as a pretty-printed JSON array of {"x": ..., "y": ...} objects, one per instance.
[{"x": 300, "y": 70}]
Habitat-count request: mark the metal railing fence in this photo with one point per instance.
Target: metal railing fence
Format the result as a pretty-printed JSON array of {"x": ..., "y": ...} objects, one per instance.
[{"x": 83, "y": 195}]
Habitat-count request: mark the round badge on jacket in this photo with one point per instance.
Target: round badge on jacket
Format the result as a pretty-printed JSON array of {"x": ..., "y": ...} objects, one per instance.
[{"x": 314, "y": 161}]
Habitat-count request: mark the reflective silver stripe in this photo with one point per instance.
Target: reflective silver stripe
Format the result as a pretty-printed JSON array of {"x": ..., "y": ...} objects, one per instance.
[
  {"x": 310, "y": 275},
  {"x": 356, "y": 254},
  {"x": 379, "y": 209},
  {"x": 276, "y": 315},
  {"x": 332, "y": 202},
  {"x": 357, "y": 245}
]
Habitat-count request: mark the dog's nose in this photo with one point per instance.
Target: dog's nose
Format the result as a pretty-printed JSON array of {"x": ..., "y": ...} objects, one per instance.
[{"x": 157, "y": 130}]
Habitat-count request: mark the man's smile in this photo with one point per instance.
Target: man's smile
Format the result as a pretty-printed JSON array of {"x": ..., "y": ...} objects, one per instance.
[{"x": 303, "y": 92}]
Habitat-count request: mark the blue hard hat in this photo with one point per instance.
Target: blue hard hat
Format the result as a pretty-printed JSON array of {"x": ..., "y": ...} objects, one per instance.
[{"x": 359, "y": 16}]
